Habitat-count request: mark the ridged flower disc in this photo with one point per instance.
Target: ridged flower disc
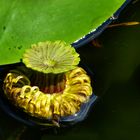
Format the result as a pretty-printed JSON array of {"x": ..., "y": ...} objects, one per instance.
[{"x": 51, "y": 57}]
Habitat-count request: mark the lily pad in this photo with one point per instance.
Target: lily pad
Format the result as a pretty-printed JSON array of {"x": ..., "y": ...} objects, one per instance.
[{"x": 25, "y": 22}]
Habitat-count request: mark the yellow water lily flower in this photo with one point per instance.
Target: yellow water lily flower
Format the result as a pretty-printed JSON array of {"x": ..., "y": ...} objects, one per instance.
[{"x": 49, "y": 86}]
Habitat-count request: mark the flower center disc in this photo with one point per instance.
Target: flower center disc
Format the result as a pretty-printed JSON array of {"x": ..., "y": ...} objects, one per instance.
[{"x": 49, "y": 63}]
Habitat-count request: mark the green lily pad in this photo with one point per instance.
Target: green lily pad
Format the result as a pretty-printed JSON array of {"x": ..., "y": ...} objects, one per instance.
[{"x": 25, "y": 22}]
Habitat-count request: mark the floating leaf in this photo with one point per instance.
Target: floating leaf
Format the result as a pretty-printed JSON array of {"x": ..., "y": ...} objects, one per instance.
[{"x": 25, "y": 22}]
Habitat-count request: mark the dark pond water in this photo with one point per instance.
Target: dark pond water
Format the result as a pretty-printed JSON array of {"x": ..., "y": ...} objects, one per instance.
[{"x": 116, "y": 68}]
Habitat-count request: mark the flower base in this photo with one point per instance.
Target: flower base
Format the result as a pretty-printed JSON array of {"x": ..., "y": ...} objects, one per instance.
[{"x": 75, "y": 91}]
